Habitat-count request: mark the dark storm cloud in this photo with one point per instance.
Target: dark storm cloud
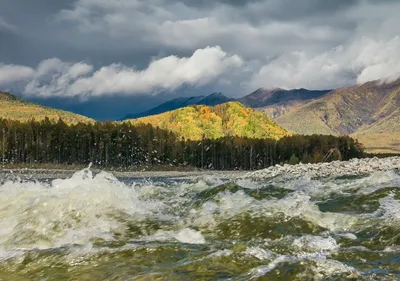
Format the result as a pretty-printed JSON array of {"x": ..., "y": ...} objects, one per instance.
[
  {"x": 211, "y": 3},
  {"x": 284, "y": 5},
  {"x": 287, "y": 9},
  {"x": 40, "y": 36},
  {"x": 35, "y": 36},
  {"x": 282, "y": 10}
]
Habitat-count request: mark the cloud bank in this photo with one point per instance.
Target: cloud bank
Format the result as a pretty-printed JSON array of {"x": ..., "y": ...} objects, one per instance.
[
  {"x": 55, "y": 78},
  {"x": 362, "y": 61}
]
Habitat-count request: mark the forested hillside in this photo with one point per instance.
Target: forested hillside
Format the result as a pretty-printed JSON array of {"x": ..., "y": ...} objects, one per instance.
[
  {"x": 226, "y": 136},
  {"x": 123, "y": 145},
  {"x": 206, "y": 122},
  {"x": 11, "y": 107}
]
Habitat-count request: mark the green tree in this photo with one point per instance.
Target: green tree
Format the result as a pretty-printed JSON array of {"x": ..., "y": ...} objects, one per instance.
[{"x": 294, "y": 160}]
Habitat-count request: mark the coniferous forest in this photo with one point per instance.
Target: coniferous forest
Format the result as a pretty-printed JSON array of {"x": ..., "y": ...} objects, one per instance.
[{"x": 110, "y": 144}]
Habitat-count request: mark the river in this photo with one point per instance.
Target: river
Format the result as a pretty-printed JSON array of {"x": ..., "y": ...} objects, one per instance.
[{"x": 334, "y": 221}]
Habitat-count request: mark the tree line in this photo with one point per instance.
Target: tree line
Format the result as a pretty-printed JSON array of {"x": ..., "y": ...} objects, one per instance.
[{"x": 110, "y": 144}]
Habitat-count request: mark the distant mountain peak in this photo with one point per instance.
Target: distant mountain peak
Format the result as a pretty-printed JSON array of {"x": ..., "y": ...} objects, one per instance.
[
  {"x": 210, "y": 100},
  {"x": 265, "y": 89},
  {"x": 216, "y": 94},
  {"x": 267, "y": 97}
]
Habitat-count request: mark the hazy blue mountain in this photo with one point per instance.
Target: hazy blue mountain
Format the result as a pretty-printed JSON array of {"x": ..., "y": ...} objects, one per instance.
[{"x": 210, "y": 100}]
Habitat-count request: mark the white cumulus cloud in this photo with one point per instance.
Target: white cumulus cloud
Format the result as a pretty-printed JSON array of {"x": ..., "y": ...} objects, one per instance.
[
  {"x": 10, "y": 73},
  {"x": 55, "y": 78},
  {"x": 166, "y": 73}
]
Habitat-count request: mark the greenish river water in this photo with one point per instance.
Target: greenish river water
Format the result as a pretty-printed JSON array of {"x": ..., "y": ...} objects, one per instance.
[{"x": 98, "y": 227}]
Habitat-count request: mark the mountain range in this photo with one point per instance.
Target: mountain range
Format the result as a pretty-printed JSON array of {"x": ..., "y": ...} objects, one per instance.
[
  {"x": 369, "y": 112},
  {"x": 274, "y": 102}
]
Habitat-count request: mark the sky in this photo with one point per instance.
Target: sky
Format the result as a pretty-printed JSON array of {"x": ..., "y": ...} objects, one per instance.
[{"x": 106, "y": 58}]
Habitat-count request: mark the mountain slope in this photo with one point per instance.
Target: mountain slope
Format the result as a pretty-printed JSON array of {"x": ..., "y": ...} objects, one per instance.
[
  {"x": 380, "y": 142},
  {"x": 210, "y": 100},
  {"x": 264, "y": 97},
  {"x": 387, "y": 118},
  {"x": 345, "y": 110},
  {"x": 277, "y": 102},
  {"x": 11, "y": 107},
  {"x": 361, "y": 111},
  {"x": 228, "y": 119}
]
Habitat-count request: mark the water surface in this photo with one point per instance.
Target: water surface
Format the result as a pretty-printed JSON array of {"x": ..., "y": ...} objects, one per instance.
[{"x": 98, "y": 227}]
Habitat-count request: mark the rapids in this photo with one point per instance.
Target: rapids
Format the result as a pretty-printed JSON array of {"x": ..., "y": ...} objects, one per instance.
[{"x": 333, "y": 221}]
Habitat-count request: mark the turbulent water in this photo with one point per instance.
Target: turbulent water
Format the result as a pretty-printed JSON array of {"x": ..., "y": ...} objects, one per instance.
[{"x": 329, "y": 226}]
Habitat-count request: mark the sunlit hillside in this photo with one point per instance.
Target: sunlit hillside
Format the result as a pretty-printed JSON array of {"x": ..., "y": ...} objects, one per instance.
[
  {"x": 369, "y": 112},
  {"x": 228, "y": 119},
  {"x": 11, "y": 107}
]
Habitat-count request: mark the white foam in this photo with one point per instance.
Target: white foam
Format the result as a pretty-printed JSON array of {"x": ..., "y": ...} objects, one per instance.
[
  {"x": 190, "y": 236},
  {"x": 389, "y": 209},
  {"x": 296, "y": 204},
  {"x": 376, "y": 181},
  {"x": 259, "y": 253},
  {"x": 328, "y": 267},
  {"x": 186, "y": 235},
  {"x": 391, "y": 249},
  {"x": 324, "y": 268},
  {"x": 309, "y": 243},
  {"x": 264, "y": 269},
  {"x": 220, "y": 253},
  {"x": 350, "y": 236},
  {"x": 70, "y": 211}
]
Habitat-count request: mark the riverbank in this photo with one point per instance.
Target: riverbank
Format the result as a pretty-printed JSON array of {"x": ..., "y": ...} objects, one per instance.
[
  {"x": 338, "y": 168},
  {"x": 26, "y": 173}
]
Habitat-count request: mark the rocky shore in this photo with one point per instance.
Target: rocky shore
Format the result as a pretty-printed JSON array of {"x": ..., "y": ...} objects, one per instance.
[{"x": 337, "y": 169}]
